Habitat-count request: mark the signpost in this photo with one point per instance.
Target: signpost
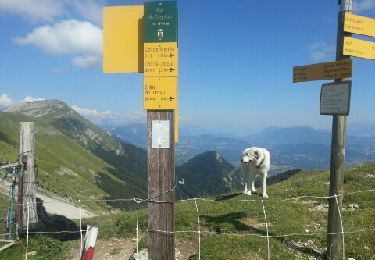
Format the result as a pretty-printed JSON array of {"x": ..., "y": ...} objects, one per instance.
[
  {"x": 323, "y": 71},
  {"x": 160, "y": 100},
  {"x": 143, "y": 39},
  {"x": 335, "y": 98}
]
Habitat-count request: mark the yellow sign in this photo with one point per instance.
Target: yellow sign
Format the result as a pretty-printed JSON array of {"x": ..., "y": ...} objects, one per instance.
[
  {"x": 323, "y": 71},
  {"x": 160, "y": 93},
  {"x": 359, "y": 24},
  {"x": 123, "y": 39},
  {"x": 161, "y": 59},
  {"x": 359, "y": 48}
]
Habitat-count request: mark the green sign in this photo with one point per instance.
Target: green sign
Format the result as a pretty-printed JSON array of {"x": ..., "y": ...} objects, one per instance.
[{"x": 160, "y": 21}]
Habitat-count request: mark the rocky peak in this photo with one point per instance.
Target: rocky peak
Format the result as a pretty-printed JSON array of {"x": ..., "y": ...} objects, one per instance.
[{"x": 38, "y": 108}]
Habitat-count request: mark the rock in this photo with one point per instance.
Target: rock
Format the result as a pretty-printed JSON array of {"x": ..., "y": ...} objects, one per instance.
[
  {"x": 32, "y": 253},
  {"x": 142, "y": 255},
  {"x": 307, "y": 231},
  {"x": 353, "y": 206}
]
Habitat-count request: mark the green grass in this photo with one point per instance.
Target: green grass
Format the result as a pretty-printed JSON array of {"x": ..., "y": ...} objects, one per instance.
[{"x": 234, "y": 229}]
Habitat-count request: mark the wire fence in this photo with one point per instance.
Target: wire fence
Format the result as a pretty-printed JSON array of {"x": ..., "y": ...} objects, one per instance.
[{"x": 199, "y": 230}]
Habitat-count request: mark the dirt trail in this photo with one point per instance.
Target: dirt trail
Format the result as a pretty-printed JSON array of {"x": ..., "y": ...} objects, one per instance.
[{"x": 58, "y": 207}]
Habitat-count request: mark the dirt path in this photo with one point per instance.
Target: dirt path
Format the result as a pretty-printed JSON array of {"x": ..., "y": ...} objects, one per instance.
[
  {"x": 114, "y": 249},
  {"x": 58, "y": 207},
  {"x": 120, "y": 249}
]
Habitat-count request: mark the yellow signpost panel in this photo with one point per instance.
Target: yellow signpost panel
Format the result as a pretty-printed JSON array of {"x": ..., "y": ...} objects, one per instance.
[
  {"x": 161, "y": 59},
  {"x": 123, "y": 39},
  {"x": 323, "y": 71},
  {"x": 359, "y": 48},
  {"x": 160, "y": 93},
  {"x": 359, "y": 24}
]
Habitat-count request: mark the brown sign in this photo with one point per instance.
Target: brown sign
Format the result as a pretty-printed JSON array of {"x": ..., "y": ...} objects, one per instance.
[{"x": 323, "y": 71}]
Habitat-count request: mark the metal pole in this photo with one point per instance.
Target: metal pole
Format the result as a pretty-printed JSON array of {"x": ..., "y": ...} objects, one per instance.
[{"x": 334, "y": 235}]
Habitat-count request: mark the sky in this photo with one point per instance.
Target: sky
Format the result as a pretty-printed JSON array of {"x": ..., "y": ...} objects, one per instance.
[{"x": 235, "y": 62}]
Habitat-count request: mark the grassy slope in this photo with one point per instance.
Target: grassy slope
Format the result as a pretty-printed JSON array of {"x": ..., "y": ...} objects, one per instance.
[
  {"x": 228, "y": 214},
  {"x": 88, "y": 175}
]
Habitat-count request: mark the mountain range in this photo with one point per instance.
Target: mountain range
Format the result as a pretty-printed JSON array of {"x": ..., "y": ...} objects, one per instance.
[
  {"x": 291, "y": 147},
  {"x": 78, "y": 160}
]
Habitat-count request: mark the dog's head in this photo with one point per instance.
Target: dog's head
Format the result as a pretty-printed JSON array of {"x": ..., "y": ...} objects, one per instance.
[{"x": 249, "y": 156}]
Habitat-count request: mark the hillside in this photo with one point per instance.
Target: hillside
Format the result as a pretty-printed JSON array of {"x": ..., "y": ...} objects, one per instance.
[
  {"x": 233, "y": 226},
  {"x": 75, "y": 158},
  {"x": 205, "y": 174}
]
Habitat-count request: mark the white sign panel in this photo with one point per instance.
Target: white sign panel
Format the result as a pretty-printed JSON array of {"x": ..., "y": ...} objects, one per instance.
[
  {"x": 335, "y": 98},
  {"x": 160, "y": 134}
]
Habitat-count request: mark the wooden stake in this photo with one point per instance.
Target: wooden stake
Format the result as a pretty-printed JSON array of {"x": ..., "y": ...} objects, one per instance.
[
  {"x": 27, "y": 159},
  {"x": 334, "y": 236},
  {"x": 161, "y": 181}
]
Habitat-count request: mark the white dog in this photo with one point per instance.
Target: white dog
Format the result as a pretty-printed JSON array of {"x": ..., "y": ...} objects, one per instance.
[{"x": 255, "y": 161}]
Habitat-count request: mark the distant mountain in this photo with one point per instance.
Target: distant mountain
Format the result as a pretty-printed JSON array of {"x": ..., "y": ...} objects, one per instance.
[
  {"x": 296, "y": 147},
  {"x": 290, "y": 135},
  {"x": 75, "y": 157},
  {"x": 206, "y": 174},
  {"x": 133, "y": 134}
]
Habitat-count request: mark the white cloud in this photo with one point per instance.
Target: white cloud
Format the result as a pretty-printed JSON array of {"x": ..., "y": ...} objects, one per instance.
[
  {"x": 364, "y": 5},
  {"x": 5, "y": 101},
  {"x": 110, "y": 117},
  {"x": 32, "y": 99},
  {"x": 88, "y": 9},
  {"x": 44, "y": 10},
  {"x": 85, "y": 62},
  {"x": 321, "y": 51},
  {"x": 65, "y": 37},
  {"x": 69, "y": 37}
]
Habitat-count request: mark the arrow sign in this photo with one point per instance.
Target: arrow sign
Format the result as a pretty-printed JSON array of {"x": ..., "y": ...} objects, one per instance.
[
  {"x": 160, "y": 93},
  {"x": 323, "y": 71},
  {"x": 359, "y": 25},
  {"x": 161, "y": 59}
]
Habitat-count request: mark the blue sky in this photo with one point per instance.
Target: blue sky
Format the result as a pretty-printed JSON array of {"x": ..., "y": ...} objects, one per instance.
[{"x": 235, "y": 62}]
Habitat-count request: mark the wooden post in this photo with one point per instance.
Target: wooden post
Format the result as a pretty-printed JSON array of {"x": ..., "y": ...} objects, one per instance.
[
  {"x": 334, "y": 236},
  {"x": 161, "y": 181},
  {"x": 27, "y": 159}
]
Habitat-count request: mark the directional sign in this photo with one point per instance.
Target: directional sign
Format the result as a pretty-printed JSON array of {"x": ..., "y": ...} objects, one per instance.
[
  {"x": 123, "y": 39},
  {"x": 359, "y": 48},
  {"x": 160, "y": 21},
  {"x": 335, "y": 98},
  {"x": 160, "y": 93},
  {"x": 323, "y": 71},
  {"x": 359, "y": 24},
  {"x": 160, "y": 59}
]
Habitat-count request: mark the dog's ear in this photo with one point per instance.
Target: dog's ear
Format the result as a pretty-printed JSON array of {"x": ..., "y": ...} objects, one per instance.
[{"x": 256, "y": 154}]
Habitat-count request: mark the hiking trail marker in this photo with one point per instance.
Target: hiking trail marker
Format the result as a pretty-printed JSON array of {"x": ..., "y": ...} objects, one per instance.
[{"x": 143, "y": 39}]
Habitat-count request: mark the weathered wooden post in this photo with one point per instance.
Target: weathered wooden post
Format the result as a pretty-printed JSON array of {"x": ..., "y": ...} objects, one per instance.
[
  {"x": 334, "y": 231},
  {"x": 28, "y": 182}
]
